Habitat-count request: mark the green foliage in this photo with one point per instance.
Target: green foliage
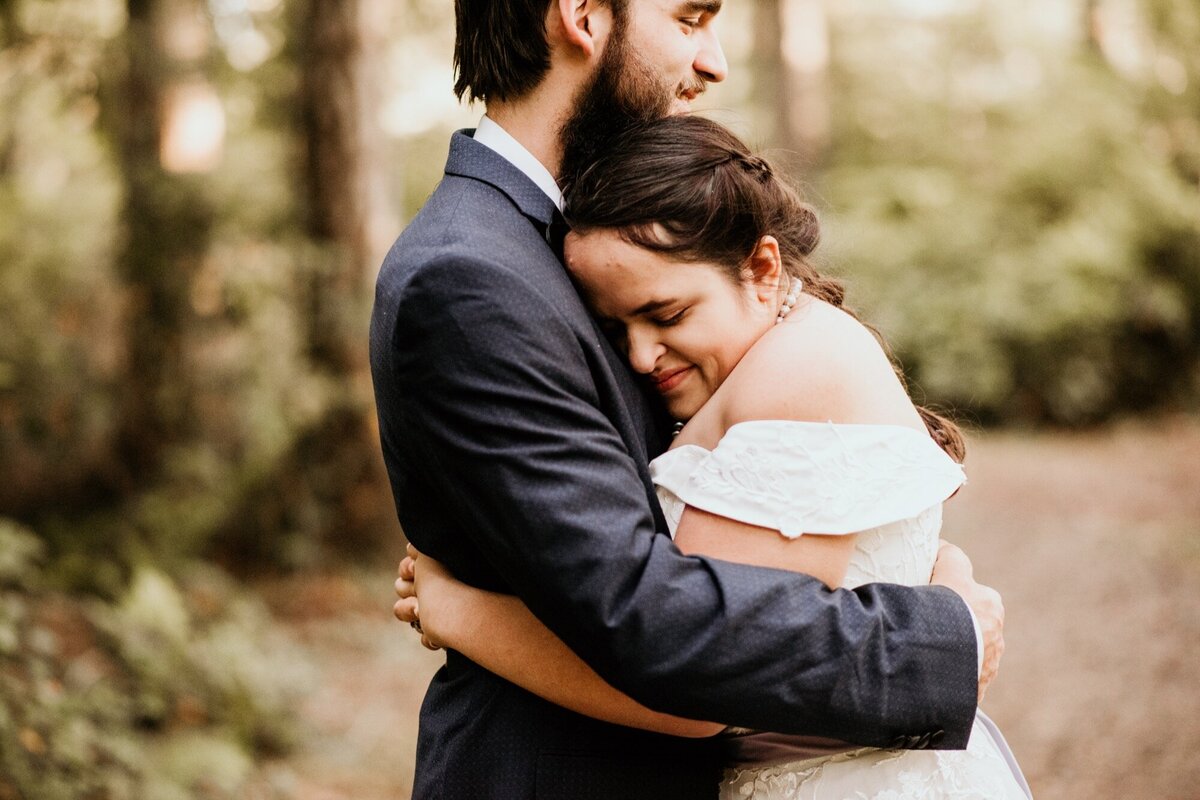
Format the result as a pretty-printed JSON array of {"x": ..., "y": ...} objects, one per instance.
[
  {"x": 244, "y": 397},
  {"x": 174, "y": 690},
  {"x": 59, "y": 192},
  {"x": 1029, "y": 258}
]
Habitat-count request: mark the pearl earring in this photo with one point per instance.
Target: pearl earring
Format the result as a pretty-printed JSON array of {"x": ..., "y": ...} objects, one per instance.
[{"x": 795, "y": 287}]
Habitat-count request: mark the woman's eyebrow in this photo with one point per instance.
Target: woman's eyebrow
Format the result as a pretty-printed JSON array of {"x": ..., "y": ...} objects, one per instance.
[{"x": 652, "y": 306}]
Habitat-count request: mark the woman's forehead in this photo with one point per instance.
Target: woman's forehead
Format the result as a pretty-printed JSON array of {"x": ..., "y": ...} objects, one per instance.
[{"x": 622, "y": 279}]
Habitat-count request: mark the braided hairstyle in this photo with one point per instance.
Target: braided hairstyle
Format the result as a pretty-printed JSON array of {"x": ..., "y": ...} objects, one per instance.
[{"x": 689, "y": 188}]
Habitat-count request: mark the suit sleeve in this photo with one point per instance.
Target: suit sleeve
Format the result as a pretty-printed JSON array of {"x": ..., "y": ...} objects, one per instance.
[{"x": 497, "y": 398}]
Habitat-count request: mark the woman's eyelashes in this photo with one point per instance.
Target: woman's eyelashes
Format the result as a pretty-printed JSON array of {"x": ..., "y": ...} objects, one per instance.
[{"x": 671, "y": 319}]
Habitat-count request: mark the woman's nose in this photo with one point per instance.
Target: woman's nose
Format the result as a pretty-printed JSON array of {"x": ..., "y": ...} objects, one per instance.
[{"x": 644, "y": 351}]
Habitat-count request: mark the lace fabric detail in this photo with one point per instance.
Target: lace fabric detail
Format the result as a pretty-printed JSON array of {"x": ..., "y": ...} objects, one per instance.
[
  {"x": 804, "y": 477},
  {"x": 769, "y": 473},
  {"x": 977, "y": 773},
  {"x": 885, "y": 483}
]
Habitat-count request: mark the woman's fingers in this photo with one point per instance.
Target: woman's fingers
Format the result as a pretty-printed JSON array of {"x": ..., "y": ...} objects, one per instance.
[
  {"x": 406, "y": 610},
  {"x": 406, "y": 569}
]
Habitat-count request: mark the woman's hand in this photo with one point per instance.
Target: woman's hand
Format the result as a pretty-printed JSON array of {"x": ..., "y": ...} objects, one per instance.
[
  {"x": 428, "y": 595},
  {"x": 407, "y": 607}
]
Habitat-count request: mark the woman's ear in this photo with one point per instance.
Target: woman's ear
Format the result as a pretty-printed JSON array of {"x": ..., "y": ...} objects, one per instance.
[
  {"x": 577, "y": 23},
  {"x": 765, "y": 268}
]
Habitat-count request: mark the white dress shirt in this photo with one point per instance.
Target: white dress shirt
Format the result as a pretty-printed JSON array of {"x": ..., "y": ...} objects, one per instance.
[{"x": 490, "y": 134}]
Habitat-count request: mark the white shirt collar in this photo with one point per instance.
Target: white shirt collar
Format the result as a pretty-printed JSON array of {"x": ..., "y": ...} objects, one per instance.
[{"x": 489, "y": 133}]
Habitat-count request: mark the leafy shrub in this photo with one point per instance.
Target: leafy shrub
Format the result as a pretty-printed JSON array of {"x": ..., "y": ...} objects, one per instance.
[
  {"x": 1030, "y": 260},
  {"x": 173, "y": 691}
]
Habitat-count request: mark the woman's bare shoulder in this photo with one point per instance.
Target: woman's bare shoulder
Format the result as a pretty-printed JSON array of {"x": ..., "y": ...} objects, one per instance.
[{"x": 820, "y": 365}]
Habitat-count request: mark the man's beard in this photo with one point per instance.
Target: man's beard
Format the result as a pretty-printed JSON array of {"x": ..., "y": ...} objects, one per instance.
[{"x": 623, "y": 92}]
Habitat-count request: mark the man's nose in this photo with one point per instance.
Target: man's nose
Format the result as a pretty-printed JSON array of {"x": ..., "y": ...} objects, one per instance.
[{"x": 710, "y": 60}]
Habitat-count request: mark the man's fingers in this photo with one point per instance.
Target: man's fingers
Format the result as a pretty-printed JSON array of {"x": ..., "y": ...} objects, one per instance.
[
  {"x": 951, "y": 557},
  {"x": 990, "y": 602},
  {"x": 954, "y": 570},
  {"x": 991, "y": 666},
  {"x": 989, "y": 609},
  {"x": 413, "y": 553}
]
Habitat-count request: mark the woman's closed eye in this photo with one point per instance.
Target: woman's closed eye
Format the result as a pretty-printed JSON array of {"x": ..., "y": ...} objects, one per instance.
[{"x": 668, "y": 320}]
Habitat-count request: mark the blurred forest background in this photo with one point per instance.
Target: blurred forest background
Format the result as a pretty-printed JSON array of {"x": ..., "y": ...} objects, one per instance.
[{"x": 196, "y": 535}]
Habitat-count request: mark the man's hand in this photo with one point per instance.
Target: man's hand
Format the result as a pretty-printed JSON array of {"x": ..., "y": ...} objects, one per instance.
[
  {"x": 406, "y": 608},
  {"x": 953, "y": 570}
]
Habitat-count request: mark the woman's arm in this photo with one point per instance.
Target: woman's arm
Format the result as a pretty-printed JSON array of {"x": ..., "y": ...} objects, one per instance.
[
  {"x": 846, "y": 378},
  {"x": 500, "y": 634},
  {"x": 824, "y": 557}
]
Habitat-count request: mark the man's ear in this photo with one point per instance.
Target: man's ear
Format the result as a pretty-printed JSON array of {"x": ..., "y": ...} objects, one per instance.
[
  {"x": 576, "y": 23},
  {"x": 766, "y": 269}
]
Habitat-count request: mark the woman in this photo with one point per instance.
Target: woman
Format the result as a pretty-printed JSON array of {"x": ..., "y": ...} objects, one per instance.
[{"x": 801, "y": 450}]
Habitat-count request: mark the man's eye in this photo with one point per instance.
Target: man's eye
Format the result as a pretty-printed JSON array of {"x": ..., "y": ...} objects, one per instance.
[{"x": 691, "y": 23}]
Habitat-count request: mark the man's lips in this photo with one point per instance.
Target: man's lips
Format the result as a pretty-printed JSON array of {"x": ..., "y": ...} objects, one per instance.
[
  {"x": 690, "y": 93},
  {"x": 667, "y": 380}
]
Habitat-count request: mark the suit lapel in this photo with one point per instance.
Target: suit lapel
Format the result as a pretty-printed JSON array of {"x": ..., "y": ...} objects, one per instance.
[
  {"x": 637, "y": 425},
  {"x": 632, "y": 416},
  {"x": 470, "y": 159}
]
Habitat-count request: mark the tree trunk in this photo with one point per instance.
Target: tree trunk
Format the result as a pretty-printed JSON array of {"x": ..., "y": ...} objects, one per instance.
[
  {"x": 793, "y": 68},
  {"x": 337, "y": 94},
  {"x": 770, "y": 86},
  {"x": 9, "y": 24},
  {"x": 167, "y": 224},
  {"x": 335, "y": 467},
  {"x": 1093, "y": 27},
  {"x": 10, "y": 36}
]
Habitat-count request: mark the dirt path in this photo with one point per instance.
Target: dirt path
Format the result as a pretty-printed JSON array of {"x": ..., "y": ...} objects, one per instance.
[{"x": 1094, "y": 540}]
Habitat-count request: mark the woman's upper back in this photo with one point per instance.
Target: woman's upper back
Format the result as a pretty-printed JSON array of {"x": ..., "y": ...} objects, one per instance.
[{"x": 820, "y": 365}]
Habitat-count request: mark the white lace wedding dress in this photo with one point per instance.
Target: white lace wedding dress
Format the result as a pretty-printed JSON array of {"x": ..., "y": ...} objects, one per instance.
[{"x": 886, "y": 483}]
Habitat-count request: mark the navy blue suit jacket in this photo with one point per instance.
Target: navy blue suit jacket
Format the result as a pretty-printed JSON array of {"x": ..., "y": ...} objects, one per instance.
[{"x": 517, "y": 444}]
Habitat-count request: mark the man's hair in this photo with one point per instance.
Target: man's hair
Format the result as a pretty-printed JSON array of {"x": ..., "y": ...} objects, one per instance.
[{"x": 500, "y": 47}]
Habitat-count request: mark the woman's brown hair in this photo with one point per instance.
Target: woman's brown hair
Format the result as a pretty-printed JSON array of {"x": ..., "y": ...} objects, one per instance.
[{"x": 689, "y": 188}]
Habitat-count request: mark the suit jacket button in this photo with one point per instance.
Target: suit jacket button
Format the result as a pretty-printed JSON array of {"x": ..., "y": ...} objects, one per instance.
[
  {"x": 923, "y": 742},
  {"x": 899, "y": 743},
  {"x": 914, "y": 742},
  {"x": 937, "y": 737}
]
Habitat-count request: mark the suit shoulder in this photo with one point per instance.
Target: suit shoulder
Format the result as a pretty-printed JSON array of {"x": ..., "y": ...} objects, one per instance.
[{"x": 467, "y": 215}]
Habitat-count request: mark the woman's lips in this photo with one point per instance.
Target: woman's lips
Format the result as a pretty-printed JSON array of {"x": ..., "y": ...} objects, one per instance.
[{"x": 669, "y": 379}]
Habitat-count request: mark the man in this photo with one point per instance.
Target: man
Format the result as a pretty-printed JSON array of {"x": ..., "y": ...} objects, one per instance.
[{"x": 517, "y": 444}]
